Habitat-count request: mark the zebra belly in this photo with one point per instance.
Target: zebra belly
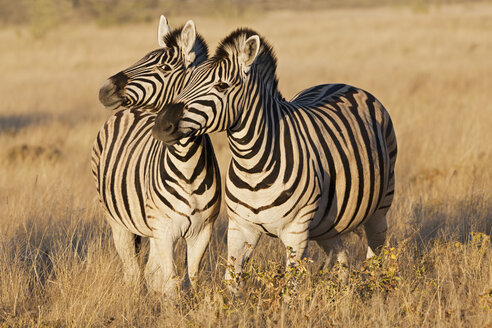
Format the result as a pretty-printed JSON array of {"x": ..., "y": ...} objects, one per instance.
[
  {"x": 133, "y": 221},
  {"x": 331, "y": 221},
  {"x": 352, "y": 190},
  {"x": 311, "y": 205},
  {"x": 349, "y": 196},
  {"x": 323, "y": 222}
]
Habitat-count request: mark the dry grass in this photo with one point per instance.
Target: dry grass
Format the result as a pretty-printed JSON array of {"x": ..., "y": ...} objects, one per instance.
[{"x": 432, "y": 71}]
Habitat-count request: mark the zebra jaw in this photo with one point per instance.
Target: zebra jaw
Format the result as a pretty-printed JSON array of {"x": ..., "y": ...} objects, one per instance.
[
  {"x": 123, "y": 103},
  {"x": 167, "y": 139},
  {"x": 170, "y": 138},
  {"x": 114, "y": 106}
]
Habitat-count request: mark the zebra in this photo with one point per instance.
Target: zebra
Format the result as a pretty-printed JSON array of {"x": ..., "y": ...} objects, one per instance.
[
  {"x": 315, "y": 167},
  {"x": 147, "y": 188}
]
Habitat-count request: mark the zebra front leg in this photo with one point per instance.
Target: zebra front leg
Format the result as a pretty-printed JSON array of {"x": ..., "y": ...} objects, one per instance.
[
  {"x": 124, "y": 242},
  {"x": 241, "y": 240},
  {"x": 160, "y": 272},
  {"x": 295, "y": 239},
  {"x": 195, "y": 248},
  {"x": 376, "y": 228}
]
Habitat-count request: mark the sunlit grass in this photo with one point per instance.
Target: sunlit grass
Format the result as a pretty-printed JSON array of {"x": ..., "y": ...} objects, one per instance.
[{"x": 431, "y": 70}]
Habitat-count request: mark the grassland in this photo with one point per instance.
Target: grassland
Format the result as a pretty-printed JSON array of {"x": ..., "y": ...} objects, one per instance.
[{"x": 433, "y": 72}]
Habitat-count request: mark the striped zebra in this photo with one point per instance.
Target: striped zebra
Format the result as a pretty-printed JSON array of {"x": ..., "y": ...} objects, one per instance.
[
  {"x": 149, "y": 189},
  {"x": 313, "y": 168}
]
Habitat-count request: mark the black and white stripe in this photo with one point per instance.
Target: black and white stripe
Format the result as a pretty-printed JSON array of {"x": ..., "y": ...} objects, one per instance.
[
  {"x": 147, "y": 188},
  {"x": 312, "y": 168}
]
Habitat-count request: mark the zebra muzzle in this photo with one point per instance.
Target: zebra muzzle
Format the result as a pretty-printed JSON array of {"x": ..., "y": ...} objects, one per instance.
[{"x": 109, "y": 93}]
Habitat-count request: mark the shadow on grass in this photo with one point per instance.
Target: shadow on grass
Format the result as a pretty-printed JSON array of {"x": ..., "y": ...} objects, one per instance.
[
  {"x": 14, "y": 123},
  {"x": 42, "y": 241},
  {"x": 450, "y": 221}
]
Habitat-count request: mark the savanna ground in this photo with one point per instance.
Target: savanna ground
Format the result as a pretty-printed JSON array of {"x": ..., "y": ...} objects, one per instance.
[{"x": 432, "y": 69}]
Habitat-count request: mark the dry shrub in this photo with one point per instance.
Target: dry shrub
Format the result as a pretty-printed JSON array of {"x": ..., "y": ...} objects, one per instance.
[{"x": 32, "y": 153}]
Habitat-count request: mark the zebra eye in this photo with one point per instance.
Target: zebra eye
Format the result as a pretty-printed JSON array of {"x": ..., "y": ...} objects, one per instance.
[
  {"x": 221, "y": 86},
  {"x": 165, "y": 68}
]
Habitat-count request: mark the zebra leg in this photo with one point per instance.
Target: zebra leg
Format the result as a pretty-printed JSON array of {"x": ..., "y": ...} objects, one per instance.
[
  {"x": 240, "y": 244},
  {"x": 295, "y": 239},
  {"x": 334, "y": 246},
  {"x": 195, "y": 247},
  {"x": 375, "y": 228},
  {"x": 160, "y": 272},
  {"x": 124, "y": 242}
]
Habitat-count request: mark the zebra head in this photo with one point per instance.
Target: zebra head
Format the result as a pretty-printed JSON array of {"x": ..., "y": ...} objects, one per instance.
[
  {"x": 220, "y": 88},
  {"x": 159, "y": 75}
]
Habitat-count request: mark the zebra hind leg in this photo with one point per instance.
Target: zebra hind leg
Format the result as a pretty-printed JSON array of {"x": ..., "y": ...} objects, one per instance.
[
  {"x": 334, "y": 247},
  {"x": 124, "y": 242},
  {"x": 376, "y": 228}
]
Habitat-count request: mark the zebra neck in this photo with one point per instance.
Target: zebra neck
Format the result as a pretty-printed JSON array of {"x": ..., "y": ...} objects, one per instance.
[
  {"x": 185, "y": 148},
  {"x": 182, "y": 161},
  {"x": 254, "y": 139}
]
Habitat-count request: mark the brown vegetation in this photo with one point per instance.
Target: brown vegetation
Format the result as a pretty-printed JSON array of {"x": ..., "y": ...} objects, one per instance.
[{"x": 431, "y": 69}]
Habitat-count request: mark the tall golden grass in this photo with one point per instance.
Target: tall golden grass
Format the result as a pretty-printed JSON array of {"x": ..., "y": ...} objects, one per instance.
[{"x": 432, "y": 70}]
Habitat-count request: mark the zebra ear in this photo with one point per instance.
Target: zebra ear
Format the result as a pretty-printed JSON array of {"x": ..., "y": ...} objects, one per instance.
[
  {"x": 163, "y": 30},
  {"x": 188, "y": 37},
  {"x": 249, "y": 52}
]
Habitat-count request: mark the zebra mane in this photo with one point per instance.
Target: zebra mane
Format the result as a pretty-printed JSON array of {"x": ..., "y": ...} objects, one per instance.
[
  {"x": 173, "y": 38},
  {"x": 266, "y": 61}
]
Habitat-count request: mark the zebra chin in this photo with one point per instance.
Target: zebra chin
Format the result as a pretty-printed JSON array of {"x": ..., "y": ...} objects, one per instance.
[
  {"x": 113, "y": 106},
  {"x": 167, "y": 138},
  {"x": 120, "y": 104}
]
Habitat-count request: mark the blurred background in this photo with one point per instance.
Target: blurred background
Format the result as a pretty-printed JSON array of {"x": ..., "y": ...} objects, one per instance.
[
  {"x": 44, "y": 15},
  {"x": 428, "y": 62}
]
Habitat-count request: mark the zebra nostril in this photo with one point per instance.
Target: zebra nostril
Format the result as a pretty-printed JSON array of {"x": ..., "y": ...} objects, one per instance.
[
  {"x": 164, "y": 124},
  {"x": 168, "y": 127}
]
